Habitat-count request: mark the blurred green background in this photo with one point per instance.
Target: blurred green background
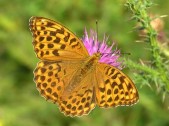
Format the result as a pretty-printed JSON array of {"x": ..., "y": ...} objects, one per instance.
[{"x": 20, "y": 102}]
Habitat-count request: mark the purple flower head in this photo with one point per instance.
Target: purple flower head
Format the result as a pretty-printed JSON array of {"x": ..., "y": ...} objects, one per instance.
[{"x": 107, "y": 55}]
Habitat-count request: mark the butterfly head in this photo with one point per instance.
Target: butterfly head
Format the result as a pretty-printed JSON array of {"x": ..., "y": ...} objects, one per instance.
[{"x": 97, "y": 55}]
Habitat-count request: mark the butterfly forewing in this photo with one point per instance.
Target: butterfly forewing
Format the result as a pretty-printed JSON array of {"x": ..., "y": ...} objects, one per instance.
[
  {"x": 114, "y": 88},
  {"x": 53, "y": 41}
]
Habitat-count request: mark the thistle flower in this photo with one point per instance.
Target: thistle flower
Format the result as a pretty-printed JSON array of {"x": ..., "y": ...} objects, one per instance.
[{"x": 107, "y": 55}]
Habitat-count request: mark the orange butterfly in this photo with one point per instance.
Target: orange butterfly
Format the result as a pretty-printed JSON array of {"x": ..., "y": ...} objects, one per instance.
[{"x": 69, "y": 76}]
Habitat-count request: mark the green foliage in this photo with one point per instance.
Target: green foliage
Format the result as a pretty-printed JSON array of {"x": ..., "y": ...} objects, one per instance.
[
  {"x": 20, "y": 102},
  {"x": 157, "y": 72}
]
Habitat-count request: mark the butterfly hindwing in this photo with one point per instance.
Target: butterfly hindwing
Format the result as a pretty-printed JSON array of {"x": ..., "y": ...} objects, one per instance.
[
  {"x": 81, "y": 99},
  {"x": 54, "y": 81},
  {"x": 52, "y": 77}
]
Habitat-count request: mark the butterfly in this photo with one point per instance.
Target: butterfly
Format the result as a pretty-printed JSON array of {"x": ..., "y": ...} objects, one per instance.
[{"x": 69, "y": 77}]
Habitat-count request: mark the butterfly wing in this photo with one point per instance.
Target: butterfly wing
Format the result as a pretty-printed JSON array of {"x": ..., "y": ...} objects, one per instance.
[
  {"x": 81, "y": 100},
  {"x": 52, "y": 77},
  {"x": 53, "y": 81},
  {"x": 52, "y": 41},
  {"x": 113, "y": 87}
]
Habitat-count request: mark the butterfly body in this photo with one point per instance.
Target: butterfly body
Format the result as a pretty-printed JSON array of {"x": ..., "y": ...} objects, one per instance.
[
  {"x": 68, "y": 76},
  {"x": 90, "y": 63}
]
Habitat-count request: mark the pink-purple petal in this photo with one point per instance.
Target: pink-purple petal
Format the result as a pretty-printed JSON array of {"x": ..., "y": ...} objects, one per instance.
[{"x": 107, "y": 55}]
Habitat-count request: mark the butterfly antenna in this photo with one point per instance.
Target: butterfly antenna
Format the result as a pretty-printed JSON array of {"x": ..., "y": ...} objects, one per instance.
[
  {"x": 97, "y": 30},
  {"x": 97, "y": 33}
]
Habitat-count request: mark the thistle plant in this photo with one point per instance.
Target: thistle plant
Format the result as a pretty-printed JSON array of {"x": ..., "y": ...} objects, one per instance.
[{"x": 157, "y": 72}]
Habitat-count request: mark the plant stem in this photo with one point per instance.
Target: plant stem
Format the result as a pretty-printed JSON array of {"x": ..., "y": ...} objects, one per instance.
[{"x": 139, "y": 10}]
